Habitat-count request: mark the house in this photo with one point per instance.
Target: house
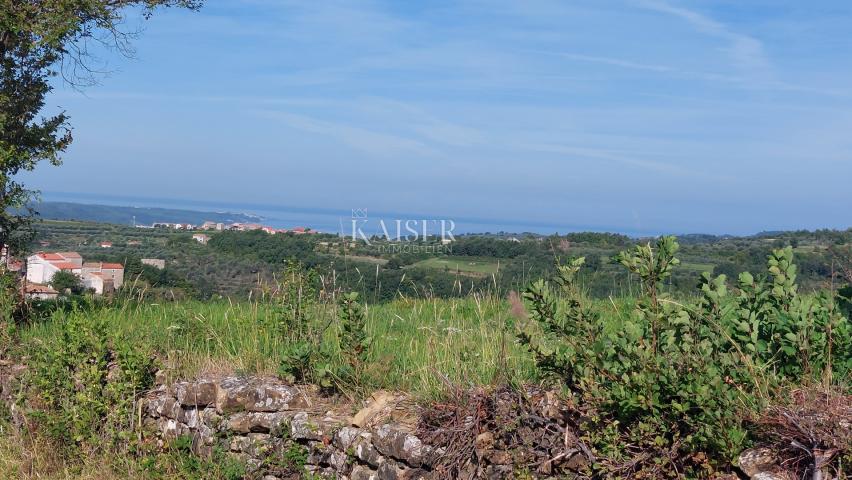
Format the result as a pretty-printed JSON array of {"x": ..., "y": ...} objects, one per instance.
[
  {"x": 245, "y": 227},
  {"x": 154, "y": 262},
  {"x": 106, "y": 244},
  {"x": 40, "y": 292},
  {"x": 201, "y": 238},
  {"x": 103, "y": 277},
  {"x": 133, "y": 243},
  {"x": 208, "y": 225},
  {"x": 41, "y": 267},
  {"x": 270, "y": 230},
  {"x": 299, "y": 230}
]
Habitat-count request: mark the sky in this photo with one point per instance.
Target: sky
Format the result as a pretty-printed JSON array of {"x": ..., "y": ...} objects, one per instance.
[{"x": 637, "y": 115}]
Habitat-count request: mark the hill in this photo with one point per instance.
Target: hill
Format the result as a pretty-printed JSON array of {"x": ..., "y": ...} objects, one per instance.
[{"x": 126, "y": 215}]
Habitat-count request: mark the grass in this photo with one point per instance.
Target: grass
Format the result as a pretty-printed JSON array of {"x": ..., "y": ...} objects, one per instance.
[
  {"x": 697, "y": 267},
  {"x": 417, "y": 345},
  {"x": 481, "y": 266}
]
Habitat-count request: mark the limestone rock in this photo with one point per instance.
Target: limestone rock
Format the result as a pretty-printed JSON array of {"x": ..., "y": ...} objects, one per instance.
[
  {"x": 379, "y": 401},
  {"x": 257, "y": 395},
  {"x": 757, "y": 460},
  {"x": 303, "y": 427},
  {"x": 391, "y": 470},
  {"x": 392, "y": 441},
  {"x": 196, "y": 394},
  {"x": 361, "y": 472},
  {"x": 256, "y": 422}
]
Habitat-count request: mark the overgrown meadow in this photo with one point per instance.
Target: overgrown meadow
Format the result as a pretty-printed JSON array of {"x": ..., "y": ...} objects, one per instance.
[{"x": 665, "y": 386}]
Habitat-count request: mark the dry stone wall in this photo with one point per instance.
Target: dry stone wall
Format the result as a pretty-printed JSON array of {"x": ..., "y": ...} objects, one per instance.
[{"x": 260, "y": 420}]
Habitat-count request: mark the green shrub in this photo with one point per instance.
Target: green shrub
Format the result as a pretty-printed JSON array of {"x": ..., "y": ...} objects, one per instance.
[
  {"x": 84, "y": 384},
  {"x": 675, "y": 380},
  {"x": 354, "y": 341}
]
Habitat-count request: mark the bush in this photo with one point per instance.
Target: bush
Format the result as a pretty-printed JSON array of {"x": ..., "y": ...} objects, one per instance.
[
  {"x": 668, "y": 383},
  {"x": 84, "y": 385},
  {"x": 67, "y": 282}
]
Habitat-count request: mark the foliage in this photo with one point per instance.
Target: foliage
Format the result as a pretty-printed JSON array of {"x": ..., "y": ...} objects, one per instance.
[
  {"x": 354, "y": 341},
  {"x": 85, "y": 384},
  {"x": 38, "y": 39},
  {"x": 295, "y": 298},
  {"x": 64, "y": 281},
  {"x": 9, "y": 310},
  {"x": 179, "y": 461},
  {"x": 671, "y": 378}
]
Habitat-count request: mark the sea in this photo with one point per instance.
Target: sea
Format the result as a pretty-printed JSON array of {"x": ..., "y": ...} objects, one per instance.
[{"x": 341, "y": 221}]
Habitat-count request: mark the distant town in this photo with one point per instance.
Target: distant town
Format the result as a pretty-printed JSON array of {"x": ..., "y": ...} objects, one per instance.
[
  {"x": 39, "y": 273},
  {"x": 219, "y": 226}
]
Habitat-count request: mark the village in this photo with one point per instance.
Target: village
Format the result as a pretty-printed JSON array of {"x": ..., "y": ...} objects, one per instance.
[
  {"x": 219, "y": 226},
  {"x": 37, "y": 274}
]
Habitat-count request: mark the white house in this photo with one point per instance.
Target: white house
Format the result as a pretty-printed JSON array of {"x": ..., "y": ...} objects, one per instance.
[
  {"x": 103, "y": 277},
  {"x": 201, "y": 238},
  {"x": 154, "y": 262},
  {"x": 41, "y": 267}
]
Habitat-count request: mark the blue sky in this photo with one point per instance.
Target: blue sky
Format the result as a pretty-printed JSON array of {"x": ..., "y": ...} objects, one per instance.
[{"x": 642, "y": 115}]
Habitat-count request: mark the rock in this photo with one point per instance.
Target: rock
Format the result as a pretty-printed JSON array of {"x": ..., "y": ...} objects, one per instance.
[
  {"x": 393, "y": 471},
  {"x": 163, "y": 406},
  {"x": 777, "y": 475},
  {"x": 346, "y": 437},
  {"x": 367, "y": 453},
  {"x": 392, "y": 441},
  {"x": 302, "y": 427},
  {"x": 484, "y": 441},
  {"x": 361, "y": 472},
  {"x": 257, "y": 395},
  {"x": 256, "y": 422},
  {"x": 254, "y": 444},
  {"x": 578, "y": 463},
  {"x": 757, "y": 460},
  {"x": 188, "y": 416},
  {"x": 196, "y": 394},
  {"x": 378, "y": 402}
]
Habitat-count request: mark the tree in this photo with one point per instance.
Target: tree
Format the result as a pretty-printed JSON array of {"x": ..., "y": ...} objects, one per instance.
[
  {"x": 40, "y": 39},
  {"x": 66, "y": 281}
]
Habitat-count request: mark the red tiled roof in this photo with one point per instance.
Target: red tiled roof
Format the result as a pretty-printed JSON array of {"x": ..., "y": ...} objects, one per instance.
[
  {"x": 65, "y": 265},
  {"x": 36, "y": 288},
  {"x": 69, "y": 254},
  {"x": 112, "y": 266},
  {"x": 51, "y": 256}
]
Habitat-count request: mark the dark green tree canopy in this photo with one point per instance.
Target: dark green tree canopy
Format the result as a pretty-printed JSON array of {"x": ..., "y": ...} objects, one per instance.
[{"x": 40, "y": 39}]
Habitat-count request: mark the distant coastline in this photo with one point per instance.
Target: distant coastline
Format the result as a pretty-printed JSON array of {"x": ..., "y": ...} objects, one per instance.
[
  {"x": 134, "y": 215},
  {"x": 329, "y": 220}
]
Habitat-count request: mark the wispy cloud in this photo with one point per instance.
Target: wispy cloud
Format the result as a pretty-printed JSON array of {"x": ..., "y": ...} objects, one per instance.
[
  {"x": 367, "y": 141},
  {"x": 617, "y": 62},
  {"x": 747, "y": 52},
  {"x": 618, "y": 157}
]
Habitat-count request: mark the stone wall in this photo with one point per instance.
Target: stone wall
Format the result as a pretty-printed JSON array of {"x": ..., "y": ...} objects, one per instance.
[
  {"x": 282, "y": 431},
  {"x": 260, "y": 419}
]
